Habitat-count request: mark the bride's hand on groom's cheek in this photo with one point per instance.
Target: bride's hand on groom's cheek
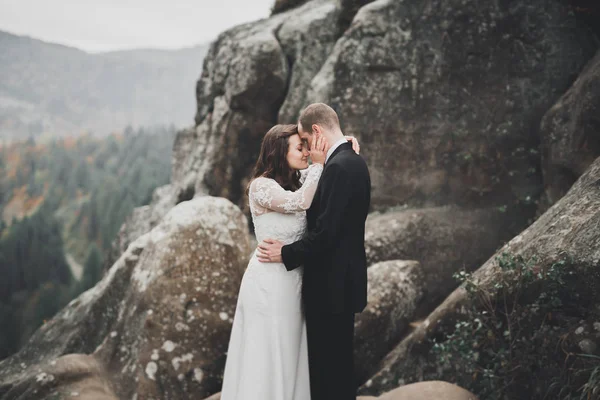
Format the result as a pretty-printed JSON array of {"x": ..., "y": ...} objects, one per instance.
[
  {"x": 269, "y": 251},
  {"x": 318, "y": 149}
]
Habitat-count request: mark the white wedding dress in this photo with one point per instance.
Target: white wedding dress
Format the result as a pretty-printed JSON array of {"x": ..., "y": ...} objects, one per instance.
[{"x": 267, "y": 357}]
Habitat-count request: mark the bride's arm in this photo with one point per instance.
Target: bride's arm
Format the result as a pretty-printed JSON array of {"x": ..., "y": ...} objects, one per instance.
[
  {"x": 267, "y": 193},
  {"x": 303, "y": 175}
]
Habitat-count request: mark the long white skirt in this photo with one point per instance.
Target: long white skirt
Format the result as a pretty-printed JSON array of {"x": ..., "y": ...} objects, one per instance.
[{"x": 267, "y": 357}]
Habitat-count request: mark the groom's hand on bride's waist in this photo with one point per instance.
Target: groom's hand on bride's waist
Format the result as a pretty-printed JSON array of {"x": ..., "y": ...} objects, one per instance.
[{"x": 269, "y": 251}]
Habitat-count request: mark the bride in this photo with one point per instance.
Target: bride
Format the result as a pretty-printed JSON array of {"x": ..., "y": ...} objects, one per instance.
[{"x": 267, "y": 357}]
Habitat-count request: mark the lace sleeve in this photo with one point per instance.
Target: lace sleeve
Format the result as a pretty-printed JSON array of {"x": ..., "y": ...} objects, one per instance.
[
  {"x": 266, "y": 193},
  {"x": 303, "y": 175}
]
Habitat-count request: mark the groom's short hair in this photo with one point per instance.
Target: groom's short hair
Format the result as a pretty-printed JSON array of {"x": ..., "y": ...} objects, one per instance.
[{"x": 320, "y": 114}]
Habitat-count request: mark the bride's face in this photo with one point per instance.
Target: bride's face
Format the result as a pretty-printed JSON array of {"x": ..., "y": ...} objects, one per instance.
[{"x": 297, "y": 155}]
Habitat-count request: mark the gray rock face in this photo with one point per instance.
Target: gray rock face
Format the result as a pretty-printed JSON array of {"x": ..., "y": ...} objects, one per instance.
[
  {"x": 446, "y": 97},
  {"x": 394, "y": 291},
  {"x": 284, "y": 5},
  {"x": 72, "y": 376},
  {"x": 568, "y": 229},
  {"x": 571, "y": 133},
  {"x": 160, "y": 319},
  {"x": 252, "y": 74},
  {"x": 349, "y": 10},
  {"x": 443, "y": 240}
]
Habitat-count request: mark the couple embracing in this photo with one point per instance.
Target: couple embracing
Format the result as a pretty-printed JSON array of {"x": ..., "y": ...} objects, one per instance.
[{"x": 292, "y": 335}]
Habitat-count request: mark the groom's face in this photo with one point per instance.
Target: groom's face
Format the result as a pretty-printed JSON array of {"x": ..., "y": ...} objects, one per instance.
[{"x": 304, "y": 135}]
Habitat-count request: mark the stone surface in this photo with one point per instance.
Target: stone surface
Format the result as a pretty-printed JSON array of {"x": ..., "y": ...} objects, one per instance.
[
  {"x": 443, "y": 239},
  {"x": 446, "y": 97},
  {"x": 395, "y": 288},
  {"x": 252, "y": 73},
  {"x": 429, "y": 390},
  {"x": 284, "y": 5},
  {"x": 570, "y": 134},
  {"x": 77, "y": 376},
  {"x": 159, "y": 321},
  {"x": 568, "y": 229}
]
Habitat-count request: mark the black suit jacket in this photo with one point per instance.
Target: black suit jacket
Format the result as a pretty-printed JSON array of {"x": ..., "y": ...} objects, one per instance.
[{"x": 333, "y": 249}]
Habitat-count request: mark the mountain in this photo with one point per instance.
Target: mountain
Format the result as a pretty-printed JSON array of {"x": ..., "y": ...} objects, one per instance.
[{"x": 49, "y": 90}]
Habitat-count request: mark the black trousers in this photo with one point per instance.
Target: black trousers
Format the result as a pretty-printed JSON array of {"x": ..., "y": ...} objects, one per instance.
[{"x": 331, "y": 355}]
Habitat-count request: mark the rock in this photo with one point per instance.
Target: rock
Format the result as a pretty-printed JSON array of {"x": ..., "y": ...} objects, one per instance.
[
  {"x": 394, "y": 290},
  {"x": 429, "y": 390},
  {"x": 160, "y": 319},
  {"x": 72, "y": 376},
  {"x": 250, "y": 74},
  {"x": 284, "y": 5},
  {"x": 143, "y": 219},
  {"x": 443, "y": 239},
  {"x": 216, "y": 396},
  {"x": 569, "y": 229},
  {"x": 588, "y": 346},
  {"x": 306, "y": 40},
  {"x": 570, "y": 134},
  {"x": 349, "y": 10},
  {"x": 445, "y": 97}
]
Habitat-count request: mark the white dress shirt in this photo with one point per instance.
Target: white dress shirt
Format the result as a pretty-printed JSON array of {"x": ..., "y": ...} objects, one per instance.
[{"x": 335, "y": 146}]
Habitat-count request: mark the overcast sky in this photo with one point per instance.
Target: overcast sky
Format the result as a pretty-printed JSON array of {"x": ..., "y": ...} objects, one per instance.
[{"x": 102, "y": 25}]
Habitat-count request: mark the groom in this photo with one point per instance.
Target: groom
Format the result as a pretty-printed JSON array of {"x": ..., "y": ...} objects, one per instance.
[{"x": 334, "y": 285}]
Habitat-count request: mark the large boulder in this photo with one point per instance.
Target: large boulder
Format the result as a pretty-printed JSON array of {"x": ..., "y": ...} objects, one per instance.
[
  {"x": 567, "y": 231},
  {"x": 570, "y": 134},
  {"x": 284, "y": 5},
  {"x": 395, "y": 288},
  {"x": 72, "y": 376},
  {"x": 444, "y": 240},
  {"x": 446, "y": 97},
  {"x": 429, "y": 390},
  {"x": 159, "y": 321}
]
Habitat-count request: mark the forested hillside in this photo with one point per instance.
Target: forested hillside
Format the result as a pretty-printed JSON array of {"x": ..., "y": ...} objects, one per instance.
[{"x": 61, "y": 205}]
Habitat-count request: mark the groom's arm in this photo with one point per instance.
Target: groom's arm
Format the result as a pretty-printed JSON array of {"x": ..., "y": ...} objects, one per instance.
[{"x": 332, "y": 205}]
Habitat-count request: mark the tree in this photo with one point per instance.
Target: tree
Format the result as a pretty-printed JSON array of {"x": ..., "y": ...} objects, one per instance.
[{"x": 92, "y": 270}]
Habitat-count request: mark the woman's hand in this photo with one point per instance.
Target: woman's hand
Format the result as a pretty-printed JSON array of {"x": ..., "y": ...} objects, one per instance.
[
  {"x": 318, "y": 149},
  {"x": 355, "y": 145}
]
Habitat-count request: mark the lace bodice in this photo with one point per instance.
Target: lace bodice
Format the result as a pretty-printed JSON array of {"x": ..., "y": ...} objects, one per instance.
[{"x": 281, "y": 214}]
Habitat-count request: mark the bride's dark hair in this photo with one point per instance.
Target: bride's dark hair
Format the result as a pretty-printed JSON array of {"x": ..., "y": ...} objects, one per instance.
[{"x": 272, "y": 161}]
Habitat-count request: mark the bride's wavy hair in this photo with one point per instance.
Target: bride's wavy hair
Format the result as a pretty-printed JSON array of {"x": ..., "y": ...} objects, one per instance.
[{"x": 272, "y": 161}]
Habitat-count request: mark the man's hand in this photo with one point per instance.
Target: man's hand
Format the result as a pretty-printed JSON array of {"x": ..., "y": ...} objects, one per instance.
[{"x": 269, "y": 251}]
